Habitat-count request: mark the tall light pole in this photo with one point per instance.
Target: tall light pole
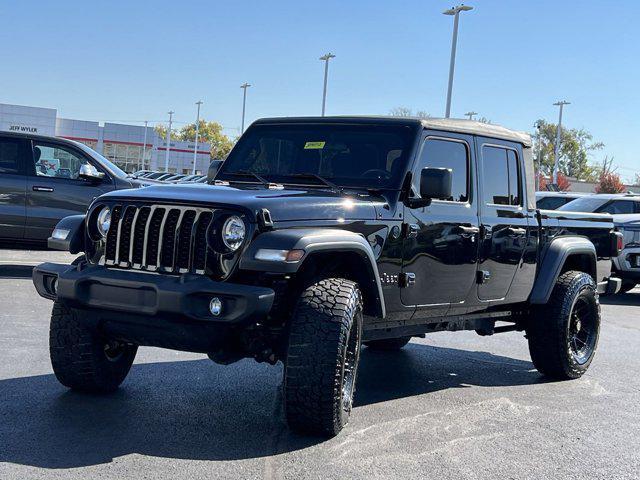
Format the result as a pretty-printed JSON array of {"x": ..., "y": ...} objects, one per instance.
[
  {"x": 166, "y": 158},
  {"x": 471, "y": 114},
  {"x": 144, "y": 145},
  {"x": 556, "y": 147},
  {"x": 244, "y": 87},
  {"x": 455, "y": 11},
  {"x": 195, "y": 148},
  {"x": 326, "y": 59},
  {"x": 538, "y": 172}
]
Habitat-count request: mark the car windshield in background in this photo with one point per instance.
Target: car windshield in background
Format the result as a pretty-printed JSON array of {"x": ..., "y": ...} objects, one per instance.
[
  {"x": 368, "y": 156},
  {"x": 584, "y": 204}
]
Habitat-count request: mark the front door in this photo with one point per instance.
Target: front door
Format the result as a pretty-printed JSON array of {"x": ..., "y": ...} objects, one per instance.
[
  {"x": 13, "y": 186},
  {"x": 54, "y": 190},
  {"x": 440, "y": 241},
  {"x": 504, "y": 226}
]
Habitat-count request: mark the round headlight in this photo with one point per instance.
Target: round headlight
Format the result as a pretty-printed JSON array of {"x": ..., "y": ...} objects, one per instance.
[
  {"x": 233, "y": 232},
  {"x": 104, "y": 221}
]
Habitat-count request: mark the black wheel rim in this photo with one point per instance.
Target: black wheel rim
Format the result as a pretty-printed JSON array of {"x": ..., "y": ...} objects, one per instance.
[
  {"x": 352, "y": 356},
  {"x": 583, "y": 330},
  {"x": 114, "y": 351}
]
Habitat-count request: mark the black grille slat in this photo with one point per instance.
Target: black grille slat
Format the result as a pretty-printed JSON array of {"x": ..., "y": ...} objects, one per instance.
[
  {"x": 200, "y": 242},
  {"x": 137, "y": 254},
  {"x": 153, "y": 239},
  {"x": 169, "y": 239},
  {"x": 112, "y": 235},
  {"x": 125, "y": 234},
  {"x": 183, "y": 247}
]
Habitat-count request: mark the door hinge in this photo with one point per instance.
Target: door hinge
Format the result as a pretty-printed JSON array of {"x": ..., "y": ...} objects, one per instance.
[
  {"x": 409, "y": 230},
  {"x": 407, "y": 279},
  {"x": 483, "y": 276}
]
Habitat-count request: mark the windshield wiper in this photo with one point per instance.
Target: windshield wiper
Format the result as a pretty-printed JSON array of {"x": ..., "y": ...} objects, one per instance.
[
  {"x": 328, "y": 183},
  {"x": 247, "y": 173}
]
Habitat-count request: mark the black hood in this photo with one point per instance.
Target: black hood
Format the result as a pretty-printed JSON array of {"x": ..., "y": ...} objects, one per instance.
[{"x": 289, "y": 204}]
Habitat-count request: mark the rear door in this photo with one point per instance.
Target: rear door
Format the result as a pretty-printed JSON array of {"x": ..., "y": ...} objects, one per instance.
[
  {"x": 440, "y": 244},
  {"x": 54, "y": 189},
  {"x": 503, "y": 222},
  {"x": 13, "y": 186}
]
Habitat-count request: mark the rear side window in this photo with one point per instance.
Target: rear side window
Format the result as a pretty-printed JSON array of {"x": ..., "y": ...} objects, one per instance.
[
  {"x": 9, "y": 155},
  {"x": 501, "y": 176},
  {"x": 438, "y": 153},
  {"x": 617, "y": 207}
]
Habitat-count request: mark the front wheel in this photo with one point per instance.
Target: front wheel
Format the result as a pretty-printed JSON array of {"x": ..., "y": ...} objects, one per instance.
[
  {"x": 323, "y": 356},
  {"x": 81, "y": 358},
  {"x": 563, "y": 334}
]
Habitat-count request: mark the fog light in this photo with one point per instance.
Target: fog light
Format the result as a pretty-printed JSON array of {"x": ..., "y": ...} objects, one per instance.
[{"x": 215, "y": 306}]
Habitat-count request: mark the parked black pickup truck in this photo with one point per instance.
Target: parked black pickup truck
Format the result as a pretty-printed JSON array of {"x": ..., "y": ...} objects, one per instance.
[
  {"x": 324, "y": 234},
  {"x": 44, "y": 179}
]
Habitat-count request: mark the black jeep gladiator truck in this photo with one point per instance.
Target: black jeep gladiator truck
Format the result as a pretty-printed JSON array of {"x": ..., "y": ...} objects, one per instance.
[{"x": 319, "y": 235}]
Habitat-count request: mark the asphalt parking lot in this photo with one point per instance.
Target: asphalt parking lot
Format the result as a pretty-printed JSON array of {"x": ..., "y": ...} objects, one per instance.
[{"x": 448, "y": 406}]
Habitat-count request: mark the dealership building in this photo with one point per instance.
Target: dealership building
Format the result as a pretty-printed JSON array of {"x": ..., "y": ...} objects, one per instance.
[{"x": 132, "y": 147}]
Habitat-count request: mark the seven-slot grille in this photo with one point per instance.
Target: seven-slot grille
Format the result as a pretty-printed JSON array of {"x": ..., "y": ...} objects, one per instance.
[{"x": 158, "y": 238}]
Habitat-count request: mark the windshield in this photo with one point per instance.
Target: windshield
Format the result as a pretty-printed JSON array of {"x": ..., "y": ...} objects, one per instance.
[
  {"x": 369, "y": 156},
  {"x": 584, "y": 204}
]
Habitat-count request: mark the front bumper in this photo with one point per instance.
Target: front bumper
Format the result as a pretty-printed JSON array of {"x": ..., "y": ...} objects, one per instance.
[{"x": 181, "y": 298}]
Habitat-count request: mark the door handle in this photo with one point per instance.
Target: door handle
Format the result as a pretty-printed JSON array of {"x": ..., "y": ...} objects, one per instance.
[
  {"x": 520, "y": 232},
  {"x": 37, "y": 188},
  {"x": 466, "y": 231}
]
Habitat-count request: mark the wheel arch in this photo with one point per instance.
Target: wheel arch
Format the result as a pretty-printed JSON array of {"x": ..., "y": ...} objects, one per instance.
[
  {"x": 335, "y": 251},
  {"x": 562, "y": 255}
]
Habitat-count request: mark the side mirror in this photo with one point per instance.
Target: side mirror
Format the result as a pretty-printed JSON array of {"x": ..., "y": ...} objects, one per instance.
[
  {"x": 435, "y": 184},
  {"x": 214, "y": 166},
  {"x": 90, "y": 173}
]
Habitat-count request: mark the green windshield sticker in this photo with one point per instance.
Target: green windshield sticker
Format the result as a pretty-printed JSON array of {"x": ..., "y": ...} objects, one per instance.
[{"x": 314, "y": 145}]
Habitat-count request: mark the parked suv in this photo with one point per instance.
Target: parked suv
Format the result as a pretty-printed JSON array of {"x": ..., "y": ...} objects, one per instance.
[
  {"x": 44, "y": 179},
  {"x": 323, "y": 234}
]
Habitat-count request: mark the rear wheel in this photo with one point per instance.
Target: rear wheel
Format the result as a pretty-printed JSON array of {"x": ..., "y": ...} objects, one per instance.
[
  {"x": 323, "y": 356},
  {"x": 388, "y": 344},
  {"x": 563, "y": 334},
  {"x": 81, "y": 358}
]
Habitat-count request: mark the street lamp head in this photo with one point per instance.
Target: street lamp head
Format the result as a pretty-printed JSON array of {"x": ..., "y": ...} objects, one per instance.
[
  {"x": 459, "y": 8},
  {"x": 245, "y": 85},
  {"x": 562, "y": 102},
  {"x": 327, "y": 56}
]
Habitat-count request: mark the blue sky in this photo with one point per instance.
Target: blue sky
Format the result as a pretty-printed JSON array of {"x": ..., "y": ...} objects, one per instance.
[{"x": 131, "y": 61}]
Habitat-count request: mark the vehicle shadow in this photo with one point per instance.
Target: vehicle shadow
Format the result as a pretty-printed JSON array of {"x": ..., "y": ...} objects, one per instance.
[
  {"x": 630, "y": 298},
  {"x": 194, "y": 409}
]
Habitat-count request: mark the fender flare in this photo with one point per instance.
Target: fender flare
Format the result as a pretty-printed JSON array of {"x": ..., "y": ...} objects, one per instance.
[
  {"x": 556, "y": 255},
  {"x": 74, "y": 241},
  {"x": 313, "y": 241}
]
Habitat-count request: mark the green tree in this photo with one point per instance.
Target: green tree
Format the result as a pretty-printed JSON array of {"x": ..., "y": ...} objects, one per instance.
[
  {"x": 210, "y": 132},
  {"x": 576, "y": 147}
]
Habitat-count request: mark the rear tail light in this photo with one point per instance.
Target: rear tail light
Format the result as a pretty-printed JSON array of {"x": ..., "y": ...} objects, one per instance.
[{"x": 618, "y": 243}]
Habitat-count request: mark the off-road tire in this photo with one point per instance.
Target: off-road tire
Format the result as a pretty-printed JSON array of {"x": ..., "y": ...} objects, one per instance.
[
  {"x": 79, "y": 355},
  {"x": 322, "y": 357},
  {"x": 388, "y": 344},
  {"x": 550, "y": 330},
  {"x": 626, "y": 287}
]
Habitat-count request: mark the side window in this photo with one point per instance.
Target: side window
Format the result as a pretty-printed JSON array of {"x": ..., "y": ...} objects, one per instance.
[
  {"x": 56, "y": 161},
  {"x": 501, "y": 176},
  {"x": 9, "y": 155},
  {"x": 618, "y": 207},
  {"x": 437, "y": 153}
]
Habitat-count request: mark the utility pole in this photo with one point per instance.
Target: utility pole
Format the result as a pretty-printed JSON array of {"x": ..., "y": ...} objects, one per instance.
[
  {"x": 455, "y": 11},
  {"x": 195, "y": 149},
  {"x": 471, "y": 114},
  {"x": 244, "y": 87},
  {"x": 538, "y": 127},
  {"x": 326, "y": 59},
  {"x": 556, "y": 147},
  {"x": 144, "y": 145},
  {"x": 166, "y": 158}
]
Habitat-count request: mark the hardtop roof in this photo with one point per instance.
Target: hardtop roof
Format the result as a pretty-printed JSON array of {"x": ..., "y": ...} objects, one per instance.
[{"x": 457, "y": 125}]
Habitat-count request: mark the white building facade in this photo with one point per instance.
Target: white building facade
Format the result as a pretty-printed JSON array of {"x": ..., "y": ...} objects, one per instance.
[{"x": 128, "y": 146}]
